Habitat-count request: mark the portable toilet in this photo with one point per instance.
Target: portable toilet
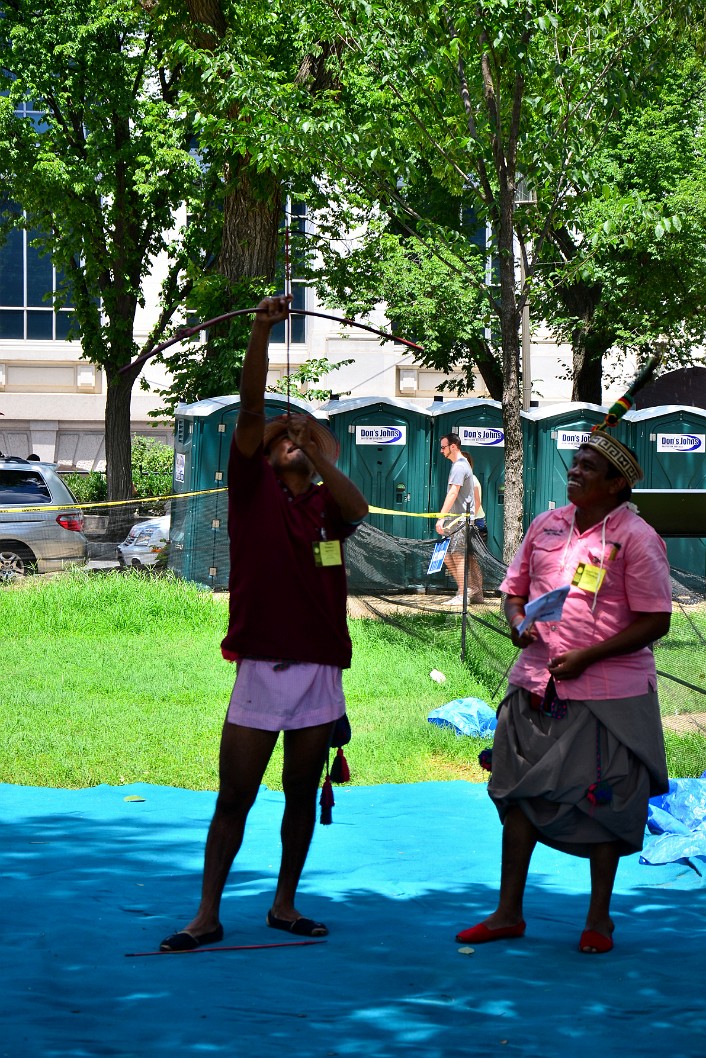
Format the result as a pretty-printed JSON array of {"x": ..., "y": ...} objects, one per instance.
[
  {"x": 199, "y": 529},
  {"x": 670, "y": 443},
  {"x": 385, "y": 452},
  {"x": 558, "y": 432},
  {"x": 479, "y": 424}
]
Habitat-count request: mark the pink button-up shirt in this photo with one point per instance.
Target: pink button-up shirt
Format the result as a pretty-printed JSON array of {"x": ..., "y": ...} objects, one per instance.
[{"x": 636, "y": 581}]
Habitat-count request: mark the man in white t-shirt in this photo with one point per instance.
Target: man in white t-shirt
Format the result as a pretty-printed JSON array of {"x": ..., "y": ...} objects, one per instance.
[{"x": 458, "y": 496}]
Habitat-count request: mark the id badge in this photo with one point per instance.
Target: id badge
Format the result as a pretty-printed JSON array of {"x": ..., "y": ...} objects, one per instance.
[
  {"x": 327, "y": 553},
  {"x": 588, "y": 577}
]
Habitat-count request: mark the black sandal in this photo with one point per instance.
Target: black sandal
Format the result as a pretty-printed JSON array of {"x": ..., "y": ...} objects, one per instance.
[
  {"x": 185, "y": 941},
  {"x": 302, "y": 927}
]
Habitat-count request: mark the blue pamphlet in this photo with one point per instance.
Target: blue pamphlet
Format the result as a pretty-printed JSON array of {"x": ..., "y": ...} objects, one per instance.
[
  {"x": 546, "y": 607},
  {"x": 437, "y": 559}
]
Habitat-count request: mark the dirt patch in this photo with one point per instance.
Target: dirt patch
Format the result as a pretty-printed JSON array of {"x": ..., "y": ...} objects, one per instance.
[
  {"x": 358, "y": 605},
  {"x": 686, "y": 723}
]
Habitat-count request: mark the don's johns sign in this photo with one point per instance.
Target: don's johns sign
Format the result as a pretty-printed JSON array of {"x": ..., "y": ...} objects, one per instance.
[
  {"x": 481, "y": 436},
  {"x": 572, "y": 438},
  {"x": 381, "y": 435},
  {"x": 681, "y": 442}
]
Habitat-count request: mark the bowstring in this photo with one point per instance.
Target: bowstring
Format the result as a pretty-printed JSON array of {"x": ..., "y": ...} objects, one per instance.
[{"x": 287, "y": 293}]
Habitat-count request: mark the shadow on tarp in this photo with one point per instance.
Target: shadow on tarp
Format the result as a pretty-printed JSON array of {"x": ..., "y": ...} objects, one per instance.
[{"x": 88, "y": 876}]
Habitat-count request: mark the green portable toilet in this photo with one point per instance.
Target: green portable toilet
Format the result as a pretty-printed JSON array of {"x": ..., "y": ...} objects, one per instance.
[
  {"x": 670, "y": 443},
  {"x": 385, "y": 452},
  {"x": 479, "y": 424},
  {"x": 199, "y": 529},
  {"x": 559, "y": 429}
]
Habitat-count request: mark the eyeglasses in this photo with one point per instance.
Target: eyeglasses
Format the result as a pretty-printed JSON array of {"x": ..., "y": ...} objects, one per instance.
[{"x": 444, "y": 447}]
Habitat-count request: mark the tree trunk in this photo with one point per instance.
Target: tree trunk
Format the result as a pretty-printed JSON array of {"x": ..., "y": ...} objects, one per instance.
[
  {"x": 251, "y": 219},
  {"x": 118, "y": 456},
  {"x": 589, "y": 344},
  {"x": 208, "y": 13},
  {"x": 588, "y": 352},
  {"x": 513, "y": 508},
  {"x": 249, "y": 245},
  {"x": 253, "y": 202},
  {"x": 490, "y": 371}
]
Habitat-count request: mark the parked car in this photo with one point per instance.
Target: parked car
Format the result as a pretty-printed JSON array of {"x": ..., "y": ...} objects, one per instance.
[
  {"x": 33, "y": 540},
  {"x": 145, "y": 544}
]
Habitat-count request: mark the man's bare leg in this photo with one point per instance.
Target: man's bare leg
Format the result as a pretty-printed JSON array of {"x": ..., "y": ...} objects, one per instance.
[
  {"x": 454, "y": 563},
  {"x": 244, "y": 756},
  {"x": 519, "y": 840},
  {"x": 475, "y": 579},
  {"x": 304, "y": 758},
  {"x": 604, "y": 860}
]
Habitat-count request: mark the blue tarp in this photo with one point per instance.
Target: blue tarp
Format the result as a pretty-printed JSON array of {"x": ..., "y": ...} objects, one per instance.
[
  {"x": 467, "y": 716},
  {"x": 90, "y": 875},
  {"x": 679, "y": 819}
]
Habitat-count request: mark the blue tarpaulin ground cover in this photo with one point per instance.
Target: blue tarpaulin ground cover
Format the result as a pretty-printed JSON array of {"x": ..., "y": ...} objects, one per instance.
[
  {"x": 678, "y": 819},
  {"x": 90, "y": 875}
]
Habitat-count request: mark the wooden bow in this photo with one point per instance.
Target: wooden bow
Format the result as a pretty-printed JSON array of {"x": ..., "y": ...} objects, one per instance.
[{"x": 186, "y": 332}]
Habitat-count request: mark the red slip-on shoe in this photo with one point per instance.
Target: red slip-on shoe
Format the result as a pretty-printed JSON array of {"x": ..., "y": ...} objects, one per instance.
[
  {"x": 481, "y": 933},
  {"x": 593, "y": 943}
]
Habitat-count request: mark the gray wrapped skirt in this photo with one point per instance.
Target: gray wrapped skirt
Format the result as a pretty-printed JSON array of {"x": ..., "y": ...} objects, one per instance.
[{"x": 547, "y": 767}]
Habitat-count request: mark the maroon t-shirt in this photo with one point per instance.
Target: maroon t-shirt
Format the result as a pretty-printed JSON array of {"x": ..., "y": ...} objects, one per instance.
[{"x": 283, "y": 605}]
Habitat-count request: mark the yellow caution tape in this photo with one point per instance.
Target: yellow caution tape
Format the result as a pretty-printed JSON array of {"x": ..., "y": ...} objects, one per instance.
[
  {"x": 185, "y": 495},
  {"x": 412, "y": 514},
  {"x": 108, "y": 503}
]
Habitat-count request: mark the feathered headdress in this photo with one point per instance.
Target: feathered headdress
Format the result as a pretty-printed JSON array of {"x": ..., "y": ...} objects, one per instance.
[
  {"x": 616, "y": 453},
  {"x": 625, "y": 403}
]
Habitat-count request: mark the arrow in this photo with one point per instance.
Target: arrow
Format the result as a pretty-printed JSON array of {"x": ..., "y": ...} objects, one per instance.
[{"x": 232, "y": 947}]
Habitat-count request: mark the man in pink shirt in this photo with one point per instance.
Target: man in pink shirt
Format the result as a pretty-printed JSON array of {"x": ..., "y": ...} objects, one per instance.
[{"x": 579, "y": 749}]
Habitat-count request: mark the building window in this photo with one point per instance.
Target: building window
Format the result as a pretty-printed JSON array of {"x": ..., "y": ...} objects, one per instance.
[
  {"x": 28, "y": 281},
  {"x": 33, "y": 112}
]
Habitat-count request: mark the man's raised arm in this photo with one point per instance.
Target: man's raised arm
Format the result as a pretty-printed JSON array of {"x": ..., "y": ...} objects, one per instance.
[{"x": 253, "y": 380}]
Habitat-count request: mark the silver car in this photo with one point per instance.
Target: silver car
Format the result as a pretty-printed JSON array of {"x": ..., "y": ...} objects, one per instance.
[
  {"x": 145, "y": 544},
  {"x": 33, "y": 540}
]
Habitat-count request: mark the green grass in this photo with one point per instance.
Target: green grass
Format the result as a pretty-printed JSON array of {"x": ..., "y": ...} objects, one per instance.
[
  {"x": 118, "y": 678},
  {"x": 686, "y": 754},
  {"x": 683, "y": 654}
]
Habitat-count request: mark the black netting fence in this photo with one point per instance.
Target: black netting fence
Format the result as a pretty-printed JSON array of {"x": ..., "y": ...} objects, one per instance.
[{"x": 388, "y": 572}]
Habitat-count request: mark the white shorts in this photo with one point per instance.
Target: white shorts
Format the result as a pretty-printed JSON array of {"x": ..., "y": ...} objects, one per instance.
[{"x": 285, "y": 696}]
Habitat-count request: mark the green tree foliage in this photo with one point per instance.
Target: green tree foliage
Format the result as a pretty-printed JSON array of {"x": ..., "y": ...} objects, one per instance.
[
  {"x": 625, "y": 266},
  {"x": 152, "y": 463},
  {"x": 101, "y": 176},
  {"x": 432, "y": 297},
  {"x": 204, "y": 368},
  {"x": 236, "y": 60},
  {"x": 87, "y": 488},
  {"x": 302, "y": 381},
  {"x": 489, "y": 98}
]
